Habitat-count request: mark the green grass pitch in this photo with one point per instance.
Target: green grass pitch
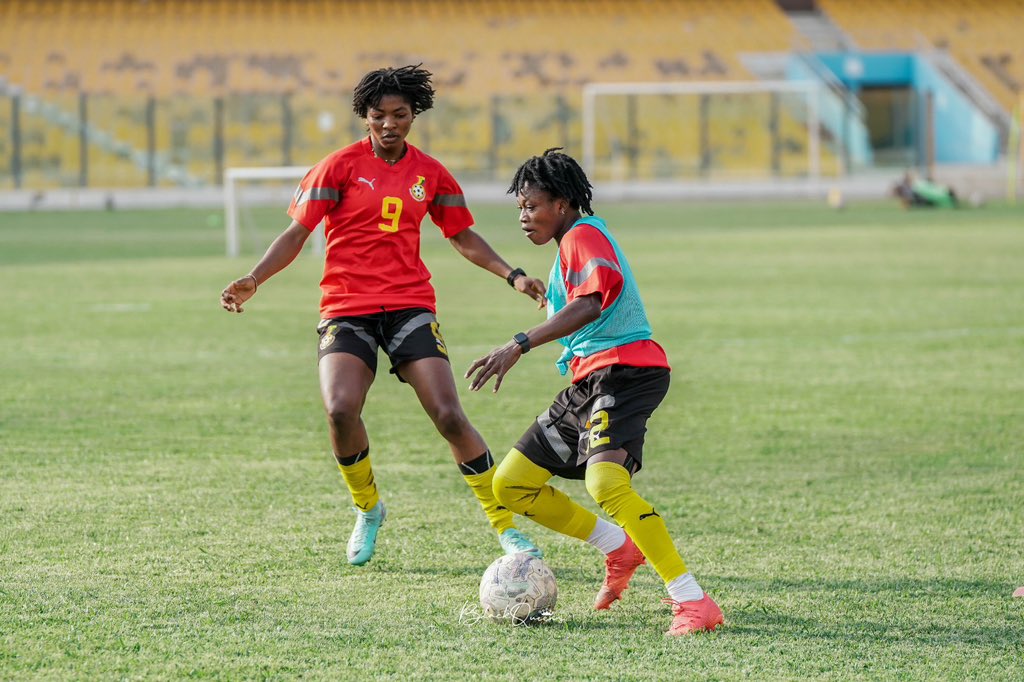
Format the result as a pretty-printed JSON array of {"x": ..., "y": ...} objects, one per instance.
[{"x": 839, "y": 458}]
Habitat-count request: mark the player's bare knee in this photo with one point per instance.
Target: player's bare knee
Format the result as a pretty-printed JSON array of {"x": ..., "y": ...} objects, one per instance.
[
  {"x": 342, "y": 414},
  {"x": 451, "y": 422}
]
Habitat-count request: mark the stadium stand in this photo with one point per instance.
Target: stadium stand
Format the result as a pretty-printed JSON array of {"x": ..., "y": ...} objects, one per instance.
[
  {"x": 218, "y": 46},
  {"x": 262, "y": 62},
  {"x": 982, "y": 35}
]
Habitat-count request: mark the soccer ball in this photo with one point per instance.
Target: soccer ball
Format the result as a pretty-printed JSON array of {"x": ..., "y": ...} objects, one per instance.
[{"x": 518, "y": 588}]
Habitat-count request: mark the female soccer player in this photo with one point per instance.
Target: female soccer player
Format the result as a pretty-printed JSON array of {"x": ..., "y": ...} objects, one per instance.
[
  {"x": 595, "y": 429},
  {"x": 376, "y": 292}
]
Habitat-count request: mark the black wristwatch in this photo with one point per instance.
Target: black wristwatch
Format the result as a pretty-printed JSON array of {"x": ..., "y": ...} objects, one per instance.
[
  {"x": 524, "y": 342},
  {"x": 511, "y": 279}
]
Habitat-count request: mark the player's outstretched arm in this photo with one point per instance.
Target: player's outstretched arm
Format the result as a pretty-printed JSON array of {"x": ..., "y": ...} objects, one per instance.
[
  {"x": 574, "y": 316},
  {"x": 283, "y": 251},
  {"x": 476, "y": 250}
]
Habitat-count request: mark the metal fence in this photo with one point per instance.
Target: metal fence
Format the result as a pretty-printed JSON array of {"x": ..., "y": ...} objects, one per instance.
[{"x": 106, "y": 141}]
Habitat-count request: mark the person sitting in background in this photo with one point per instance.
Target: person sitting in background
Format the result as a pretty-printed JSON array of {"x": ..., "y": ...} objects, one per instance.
[{"x": 913, "y": 191}]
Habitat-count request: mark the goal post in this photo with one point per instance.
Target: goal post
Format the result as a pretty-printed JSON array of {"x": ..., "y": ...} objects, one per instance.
[
  {"x": 720, "y": 130},
  {"x": 277, "y": 184}
]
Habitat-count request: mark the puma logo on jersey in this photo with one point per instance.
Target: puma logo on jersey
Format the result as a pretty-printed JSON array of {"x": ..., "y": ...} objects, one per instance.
[
  {"x": 368, "y": 182},
  {"x": 647, "y": 516}
]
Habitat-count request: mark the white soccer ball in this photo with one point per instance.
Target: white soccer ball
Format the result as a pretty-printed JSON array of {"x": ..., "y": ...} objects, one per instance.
[{"x": 518, "y": 588}]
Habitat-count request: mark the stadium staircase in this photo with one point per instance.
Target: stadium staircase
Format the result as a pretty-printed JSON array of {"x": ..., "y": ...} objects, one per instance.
[
  {"x": 977, "y": 43},
  {"x": 104, "y": 141},
  {"x": 820, "y": 32}
]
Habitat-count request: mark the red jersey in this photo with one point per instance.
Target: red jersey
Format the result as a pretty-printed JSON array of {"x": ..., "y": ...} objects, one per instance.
[
  {"x": 372, "y": 213},
  {"x": 585, "y": 250}
]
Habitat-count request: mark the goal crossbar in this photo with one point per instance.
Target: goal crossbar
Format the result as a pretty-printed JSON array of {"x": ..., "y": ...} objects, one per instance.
[{"x": 231, "y": 178}]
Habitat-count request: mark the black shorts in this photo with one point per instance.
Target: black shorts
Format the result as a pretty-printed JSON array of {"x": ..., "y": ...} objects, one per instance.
[
  {"x": 606, "y": 410},
  {"x": 410, "y": 334}
]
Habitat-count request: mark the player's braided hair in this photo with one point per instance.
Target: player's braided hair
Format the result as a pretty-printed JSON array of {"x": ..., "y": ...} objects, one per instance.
[
  {"x": 557, "y": 174},
  {"x": 410, "y": 82}
]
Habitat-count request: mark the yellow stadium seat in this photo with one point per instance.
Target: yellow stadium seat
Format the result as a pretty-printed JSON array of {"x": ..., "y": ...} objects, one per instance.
[{"x": 984, "y": 37}]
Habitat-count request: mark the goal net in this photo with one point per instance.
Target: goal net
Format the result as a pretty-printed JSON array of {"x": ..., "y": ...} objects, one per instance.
[
  {"x": 255, "y": 200},
  {"x": 712, "y": 131}
]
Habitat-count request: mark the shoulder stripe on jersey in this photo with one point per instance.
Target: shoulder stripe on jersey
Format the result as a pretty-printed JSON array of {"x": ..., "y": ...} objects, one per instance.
[
  {"x": 316, "y": 194},
  {"x": 450, "y": 200},
  {"x": 577, "y": 278}
]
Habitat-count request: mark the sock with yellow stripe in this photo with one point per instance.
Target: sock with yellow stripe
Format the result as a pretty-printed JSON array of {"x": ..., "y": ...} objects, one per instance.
[
  {"x": 358, "y": 475},
  {"x": 521, "y": 486},
  {"x": 479, "y": 475},
  {"x": 609, "y": 485}
]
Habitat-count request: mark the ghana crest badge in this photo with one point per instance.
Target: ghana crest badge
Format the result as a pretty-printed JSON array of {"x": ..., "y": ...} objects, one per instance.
[
  {"x": 418, "y": 191},
  {"x": 328, "y": 337}
]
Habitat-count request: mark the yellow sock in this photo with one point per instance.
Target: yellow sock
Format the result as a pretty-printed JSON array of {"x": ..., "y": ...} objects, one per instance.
[
  {"x": 359, "y": 479},
  {"x": 481, "y": 485},
  {"x": 520, "y": 485},
  {"x": 610, "y": 486}
]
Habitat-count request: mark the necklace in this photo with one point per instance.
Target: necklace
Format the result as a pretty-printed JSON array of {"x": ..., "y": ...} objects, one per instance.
[{"x": 390, "y": 162}]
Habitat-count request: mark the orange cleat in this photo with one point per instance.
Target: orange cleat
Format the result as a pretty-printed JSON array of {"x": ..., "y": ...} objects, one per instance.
[
  {"x": 1019, "y": 592},
  {"x": 619, "y": 567},
  {"x": 694, "y": 616}
]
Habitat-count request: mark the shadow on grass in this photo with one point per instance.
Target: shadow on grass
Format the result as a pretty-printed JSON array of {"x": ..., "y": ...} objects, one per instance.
[
  {"x": 574, "y": 576},
  {"x": 895, "y": 610},
  {"x": 888, "y": 610}
]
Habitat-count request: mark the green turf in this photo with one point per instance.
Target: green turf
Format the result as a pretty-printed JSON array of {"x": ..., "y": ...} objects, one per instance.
[{"x": 840, "y": 457}]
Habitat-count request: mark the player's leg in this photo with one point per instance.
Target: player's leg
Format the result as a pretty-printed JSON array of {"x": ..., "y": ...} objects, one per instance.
[
  {"x": 521, "y": 485},
  {"x": 347, "y": 363},
  {"x": 622, "y": 400},
  {"x": 610, "y": 484},
  {"x": 546, "y": 449},
  {"x": 421, "y": 360}
]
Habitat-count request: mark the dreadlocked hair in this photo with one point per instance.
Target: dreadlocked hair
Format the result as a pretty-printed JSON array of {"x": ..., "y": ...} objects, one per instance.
[
  {"x": 409, "y": 82},
  {"x": 557, "y": 174}
]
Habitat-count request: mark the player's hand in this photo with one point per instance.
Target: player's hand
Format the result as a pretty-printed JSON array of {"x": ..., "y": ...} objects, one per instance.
[
  {"x": 237, "y": 293},
  {"x": 495, "y": 364},
  {"x": 532, "y": 287}
]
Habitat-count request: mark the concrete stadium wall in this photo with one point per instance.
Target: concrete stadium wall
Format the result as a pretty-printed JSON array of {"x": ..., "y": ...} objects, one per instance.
[{"x": 987, "y": 182}]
